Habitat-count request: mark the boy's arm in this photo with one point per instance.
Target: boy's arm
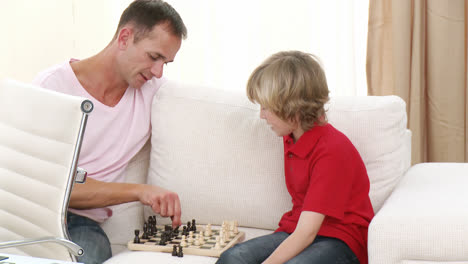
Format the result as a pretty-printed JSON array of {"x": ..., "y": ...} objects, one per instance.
[{"x": 306, "y": 230}]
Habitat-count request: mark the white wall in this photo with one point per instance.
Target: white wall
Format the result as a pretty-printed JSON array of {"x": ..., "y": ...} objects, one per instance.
[
  {"x": 226, "y": 39},
  {"x": 38, "y": 34}
]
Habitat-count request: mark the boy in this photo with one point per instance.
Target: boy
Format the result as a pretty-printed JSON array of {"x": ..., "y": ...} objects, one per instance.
[{"x": 324, "y": 172}]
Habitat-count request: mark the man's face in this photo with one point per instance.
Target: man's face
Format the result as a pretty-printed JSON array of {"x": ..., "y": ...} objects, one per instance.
[{"x": 146, "y": 58}]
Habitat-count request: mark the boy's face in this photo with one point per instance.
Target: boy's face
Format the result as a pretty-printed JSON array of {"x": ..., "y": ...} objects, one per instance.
[{"x": 278, "y": 125}]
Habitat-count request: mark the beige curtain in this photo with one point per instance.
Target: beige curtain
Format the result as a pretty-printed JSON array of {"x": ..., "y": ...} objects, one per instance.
[{"x": 417, "y": 49}]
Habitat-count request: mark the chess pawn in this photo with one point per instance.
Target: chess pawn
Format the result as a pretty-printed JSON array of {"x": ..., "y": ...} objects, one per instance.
[
  {"x": 183, "y": 243},
  {"x": 136, "y": 240},
  {"x": 191, "y": 234},
  {"x": 217, "y": 244},
  {"x": 197, "y": 241},
  {"x": 236, "y": 229},
  {"x": 174, "y": 251},
  {"x": 181, "y": 253},
  {"x": 190, "y": 238},
  {"x": 222, "y": 236},
  {"x": 208, "y": 230},
  {"x": 201, "y": 239}
]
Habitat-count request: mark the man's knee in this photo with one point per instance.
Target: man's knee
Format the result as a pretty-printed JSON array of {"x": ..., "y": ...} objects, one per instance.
[{"x": 90, "y": 236}]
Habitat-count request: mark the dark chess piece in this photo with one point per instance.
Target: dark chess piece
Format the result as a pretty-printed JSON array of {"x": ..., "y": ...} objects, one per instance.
[
  {"x": 189, "y": 227},
  {"x": 175, "y": 232},
  {"x": 145, "y": 231},
  {"x": 136, "y": 240},
  {"x": 194, "y": 226},
  {"x": 174, "y": 251},
  {"x": 184, "y": 231},
  {"x": 163, "y": 240},
  {"x": 180, "y": 253}
]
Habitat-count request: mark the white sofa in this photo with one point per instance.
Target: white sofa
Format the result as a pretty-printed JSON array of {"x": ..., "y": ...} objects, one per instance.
[{"x": 211, "y": 147}]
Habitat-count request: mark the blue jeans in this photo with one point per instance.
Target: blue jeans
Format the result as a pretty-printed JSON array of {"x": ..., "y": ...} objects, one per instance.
[
  {"x": 90, "y": 236},
  {"x": 324, "y": 250}
]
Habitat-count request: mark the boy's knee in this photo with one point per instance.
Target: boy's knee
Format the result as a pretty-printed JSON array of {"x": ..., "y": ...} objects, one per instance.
[{"x": 233, "y": 255}]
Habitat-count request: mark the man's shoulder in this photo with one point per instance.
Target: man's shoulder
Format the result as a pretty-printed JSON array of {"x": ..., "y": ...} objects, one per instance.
[
  {"x": 57, "y": 77},
  {"x": 153, "y": 85}
]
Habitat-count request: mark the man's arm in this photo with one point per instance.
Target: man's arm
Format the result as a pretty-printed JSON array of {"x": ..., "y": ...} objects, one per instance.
[
  {"x": 97, "y": 194},
  {"x": 306, "y": 230}
]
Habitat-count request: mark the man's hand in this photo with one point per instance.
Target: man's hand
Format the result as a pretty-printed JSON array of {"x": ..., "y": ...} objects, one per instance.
[
  {"x": 163, "y": 202},
  {"x": 97, "y": 194}
]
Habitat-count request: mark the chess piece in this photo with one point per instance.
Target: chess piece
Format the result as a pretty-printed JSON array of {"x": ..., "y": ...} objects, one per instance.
[
  {"x": 190, "y": 237},
  {"x": 184, "y": 230},
  {"x": 236, "y": 227},
  {"x": 145, "y": 231},
  {"x": 183, "y": 243},
  {"x": 208, "y": 230},
  {"x": 217, "y": 246},
  {"x": 181, "y": 253},
  {"x": 136, "y": 240},
  {"x": 174, "y": 251},
  {"x": 194, "y": 226},
  {"x": 189, "y": 226},
  {"x": 201, "y": 239},
  {"x": 197, "y": 240}
]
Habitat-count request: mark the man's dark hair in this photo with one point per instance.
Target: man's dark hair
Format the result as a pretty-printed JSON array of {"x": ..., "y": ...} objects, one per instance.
[{"x": 145, "y": 14}]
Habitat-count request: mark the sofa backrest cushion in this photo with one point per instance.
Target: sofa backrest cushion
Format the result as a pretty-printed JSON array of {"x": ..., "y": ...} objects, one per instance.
[{"x": 211, "y": 147}]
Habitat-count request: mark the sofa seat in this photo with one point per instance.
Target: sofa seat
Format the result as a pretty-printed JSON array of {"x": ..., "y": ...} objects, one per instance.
[{"x": 425, "y": 220}]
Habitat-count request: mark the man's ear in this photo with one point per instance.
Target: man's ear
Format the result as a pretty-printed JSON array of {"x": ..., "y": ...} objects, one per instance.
[{"x": 124, "y": 38}]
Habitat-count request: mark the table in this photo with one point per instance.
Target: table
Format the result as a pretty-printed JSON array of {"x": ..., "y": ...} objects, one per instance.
[{"x": 15, "y": 259}]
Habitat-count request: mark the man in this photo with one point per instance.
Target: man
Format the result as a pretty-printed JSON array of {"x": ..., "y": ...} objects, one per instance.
[{"x": 121, "y": 81}]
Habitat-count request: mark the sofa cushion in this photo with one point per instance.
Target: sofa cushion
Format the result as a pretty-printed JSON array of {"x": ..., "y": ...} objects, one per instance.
[
  {"x": 377, "y": 127},
  {"x": 211, "y": 147}
]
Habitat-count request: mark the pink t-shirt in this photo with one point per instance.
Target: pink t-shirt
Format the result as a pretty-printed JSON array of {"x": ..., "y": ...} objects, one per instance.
[{"x": 113, "y": 135}]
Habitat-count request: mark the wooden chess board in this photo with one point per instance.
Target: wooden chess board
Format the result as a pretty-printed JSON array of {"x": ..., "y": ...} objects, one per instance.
[{"x": 206, "y": 249}]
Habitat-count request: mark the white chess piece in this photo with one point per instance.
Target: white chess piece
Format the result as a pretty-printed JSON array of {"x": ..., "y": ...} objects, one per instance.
[
  {"x": 208, "y": 230},
  {"x": 217, "y": 246},
  {"x": 197, "y": 240},
  {"x": 183, "y": 243},
  {"x": 236, "y": 227},
  {"x": 190, "y": 237},
  {"x": 201, "y": 239}
]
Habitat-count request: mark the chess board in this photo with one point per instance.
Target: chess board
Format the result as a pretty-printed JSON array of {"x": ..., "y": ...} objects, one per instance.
[{"x": 207, "y": 249}]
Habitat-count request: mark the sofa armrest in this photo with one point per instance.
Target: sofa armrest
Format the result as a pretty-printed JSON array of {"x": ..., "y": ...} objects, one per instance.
[{"x": 425, "y": 218}]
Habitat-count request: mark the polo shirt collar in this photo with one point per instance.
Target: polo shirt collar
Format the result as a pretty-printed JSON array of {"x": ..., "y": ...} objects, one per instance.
[{"x": 306, "y": 142}]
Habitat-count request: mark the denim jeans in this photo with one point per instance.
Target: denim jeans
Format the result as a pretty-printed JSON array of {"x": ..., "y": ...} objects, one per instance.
[
  {"x": 324, "y": 250},
  {"x": 90, "y": 236}
]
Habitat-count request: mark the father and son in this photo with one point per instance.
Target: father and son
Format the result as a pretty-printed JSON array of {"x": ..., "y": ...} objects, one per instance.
[{"x": 329, "y": 188}]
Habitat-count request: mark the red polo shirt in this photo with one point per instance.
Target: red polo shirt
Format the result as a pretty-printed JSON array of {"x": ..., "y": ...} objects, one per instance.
[{"x": 325, "y": 174}]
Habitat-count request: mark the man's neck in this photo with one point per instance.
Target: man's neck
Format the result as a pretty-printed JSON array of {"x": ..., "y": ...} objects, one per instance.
[{"x": 100, "y": 79}]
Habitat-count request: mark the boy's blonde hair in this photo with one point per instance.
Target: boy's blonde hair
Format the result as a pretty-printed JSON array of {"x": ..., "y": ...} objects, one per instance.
[{"x": 291, "y": 84}]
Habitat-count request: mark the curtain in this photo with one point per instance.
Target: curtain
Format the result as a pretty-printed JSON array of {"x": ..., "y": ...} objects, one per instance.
[{"x": 417, "y": 49}]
